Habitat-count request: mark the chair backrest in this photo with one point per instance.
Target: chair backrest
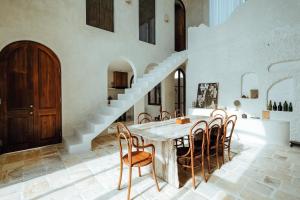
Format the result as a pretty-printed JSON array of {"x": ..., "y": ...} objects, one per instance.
[
  {"x": 198, "y": 137},
  {"x": 144, "y": 118},
  {"x": 178, "y": 114},
  {"x": 229, "y": 126},
  {"x": 219, "y": 113},
  {"x": 215, "y": 130},
  {"x": 164, "y": 115},
  {"x": 124, "y": 134}
]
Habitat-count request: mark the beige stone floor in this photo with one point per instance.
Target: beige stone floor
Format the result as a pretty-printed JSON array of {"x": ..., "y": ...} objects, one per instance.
[{"x": 256, "y": 172}]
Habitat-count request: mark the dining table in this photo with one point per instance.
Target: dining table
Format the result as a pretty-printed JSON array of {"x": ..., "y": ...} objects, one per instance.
[{"x": 163, "y": 134}]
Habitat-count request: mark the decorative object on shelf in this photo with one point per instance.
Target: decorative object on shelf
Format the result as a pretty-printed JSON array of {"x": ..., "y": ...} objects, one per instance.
[
  {"x": 285, "y": 106},
  {"x": 254, "y": 94},
  {"x": 128, "y": 1},
  {"x": 244, "y": 116},
  {"x": 109, "y": 98},
  {"x": 237, "y": 104},
  {"x": 244, "y": 97},
  {"x": 291, "y": 107},
  {"x": 183, "y": 120},
  {"x": 275, "y": 106},
  {"x": 207, "y": 96},
  {"x": 166, "y": 18},
  {"x": 279, "y": 107},
  {"x": 266, "y": 114},
  {"x": 270, "y": 107}
]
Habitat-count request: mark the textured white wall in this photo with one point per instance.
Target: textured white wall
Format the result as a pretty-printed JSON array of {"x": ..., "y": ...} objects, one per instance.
[
  {"x": 258, "y": 34},
  {"x": 84, "y": 51}
]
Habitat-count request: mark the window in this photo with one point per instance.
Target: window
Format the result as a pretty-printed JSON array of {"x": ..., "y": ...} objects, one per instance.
[
  {"x": 147, "y": 20},
  {"x": 154, "y": 97},
  {"x": 100, "y": 14},
  {"x": 179, "y": 78}
]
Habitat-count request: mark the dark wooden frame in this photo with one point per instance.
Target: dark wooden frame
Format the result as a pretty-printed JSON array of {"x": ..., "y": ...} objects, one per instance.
[
  {"x": 141, "y": 12},
  {"x": 3, "y": 105},
  {"x": 98, "y": 25},
  {"x": 181, "y": 4},
  {"x": 177, "y": 107},
  {"x": 157, "y": 91}
]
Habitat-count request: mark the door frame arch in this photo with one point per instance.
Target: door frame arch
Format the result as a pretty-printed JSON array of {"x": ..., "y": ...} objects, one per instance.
[{"x": 4, "y": 53}]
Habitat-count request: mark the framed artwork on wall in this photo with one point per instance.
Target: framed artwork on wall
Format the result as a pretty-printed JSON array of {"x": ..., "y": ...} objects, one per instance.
[{"x": 207, "y": 95}]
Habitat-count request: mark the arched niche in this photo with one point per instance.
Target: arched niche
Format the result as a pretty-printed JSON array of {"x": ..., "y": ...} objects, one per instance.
[
  {"x": 281, "y": 91},
  {"x": 120, "y": 73},
  {"x": 284, "y": 66},
  {"x": 150, "y": 67},
  {"x": 250, "y": 86}
]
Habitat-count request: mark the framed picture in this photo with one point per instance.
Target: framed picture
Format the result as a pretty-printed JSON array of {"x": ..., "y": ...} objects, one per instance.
[{"x": 207, "y": 95}]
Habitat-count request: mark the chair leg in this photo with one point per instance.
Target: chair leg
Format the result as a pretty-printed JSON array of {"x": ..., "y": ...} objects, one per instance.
[
  {"x": 223, "y": 154},
  {"x": 208, "y": 163},
  {"x": 193, "y": 174},
  {"x": 129, "y": 182},
  {"x": 217, "y": 156},
  {"x": 120, "y": 178},
  {"x": 202, "y": 169},
  {"x": 140, "y": 174},
  {"x": 229, "y": 152},
  {"x": 154, "y": 176}
]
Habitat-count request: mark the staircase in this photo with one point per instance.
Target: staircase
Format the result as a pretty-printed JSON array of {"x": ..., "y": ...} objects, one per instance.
[{"x": 101, "y": 119}]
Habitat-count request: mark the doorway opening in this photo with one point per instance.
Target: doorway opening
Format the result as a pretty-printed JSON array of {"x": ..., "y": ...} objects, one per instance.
[
  {"x": 30, "y": 92},
  {"x": 180, "y": 26},
  {"x": 180, "y": 91},
  {"x": 120, "y": 76}
]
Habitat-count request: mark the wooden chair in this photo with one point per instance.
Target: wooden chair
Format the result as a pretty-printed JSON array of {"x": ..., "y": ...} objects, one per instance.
[
  {"x": 144, "y": 118},
  {"x": 164, "y": 115},
  {"x": 196, "y": 150},
  {"x": 219, "y": 113},
  {"x": 177, "y": 113},
  {"x": 134, "y": 158},
  {"x": 227, "y": 134},
  {"x": 215, "y": 142}
]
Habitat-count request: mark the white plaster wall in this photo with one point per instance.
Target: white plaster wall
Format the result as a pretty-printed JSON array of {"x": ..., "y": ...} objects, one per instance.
[
  {"x": 84, "y": 51},
  {"x": 258, "y": 34}
]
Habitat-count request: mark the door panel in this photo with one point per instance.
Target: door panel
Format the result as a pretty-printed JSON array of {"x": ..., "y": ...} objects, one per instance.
[
  {"x": 47, "y": 107},
  {"x": 30, "y": 108}
]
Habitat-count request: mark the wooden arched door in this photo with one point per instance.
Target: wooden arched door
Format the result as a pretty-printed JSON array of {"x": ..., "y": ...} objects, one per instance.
[
  {"x": 180, "y": 26},
  {"x": 30, "y": 93}
]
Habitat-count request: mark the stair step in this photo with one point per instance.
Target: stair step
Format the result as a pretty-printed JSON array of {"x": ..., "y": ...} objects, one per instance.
[{"x": 106, "y": 115}]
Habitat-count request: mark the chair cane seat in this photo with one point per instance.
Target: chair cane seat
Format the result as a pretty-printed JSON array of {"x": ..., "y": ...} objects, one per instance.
[{"x": 139, "y": 158}]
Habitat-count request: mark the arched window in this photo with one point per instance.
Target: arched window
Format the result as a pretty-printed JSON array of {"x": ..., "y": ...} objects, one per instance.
[{"x": 179, "y": 79}]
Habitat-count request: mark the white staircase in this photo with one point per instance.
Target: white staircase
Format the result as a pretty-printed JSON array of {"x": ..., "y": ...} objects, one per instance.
[{"x": 99, "y": 121}]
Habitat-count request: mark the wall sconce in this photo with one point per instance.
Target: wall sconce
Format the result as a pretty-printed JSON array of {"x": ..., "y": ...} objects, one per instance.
[
  {"x": 166, "y": 18},
  {"x": 128, "y": 1}
]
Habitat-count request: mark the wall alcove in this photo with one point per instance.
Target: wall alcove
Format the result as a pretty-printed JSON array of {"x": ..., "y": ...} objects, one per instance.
[
  {"x": 281, "y": 91},
  {"x": 250, "y": 86}
]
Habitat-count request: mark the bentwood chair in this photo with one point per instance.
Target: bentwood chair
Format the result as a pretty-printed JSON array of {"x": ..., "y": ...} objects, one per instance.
[
  {"x": 215, "y": 142},
  {"x": 138, "y": 158},
  {"x": 227, "y": 132},
  {"x": 195, "y": 153},
  {"x": 177, "y": 113},
  {"x": 219, "y": 113},
  {"x": 164, "y": 115},
  {"x": 144, "y": 118}
]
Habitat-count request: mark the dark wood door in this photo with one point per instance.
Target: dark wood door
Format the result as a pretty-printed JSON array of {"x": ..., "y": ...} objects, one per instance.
[
  {"x": 30, "y": 96},
  {"x": 180, "y": 26}
]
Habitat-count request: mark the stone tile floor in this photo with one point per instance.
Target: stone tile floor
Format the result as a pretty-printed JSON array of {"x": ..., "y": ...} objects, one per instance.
[{"x": 256, "y": 172}]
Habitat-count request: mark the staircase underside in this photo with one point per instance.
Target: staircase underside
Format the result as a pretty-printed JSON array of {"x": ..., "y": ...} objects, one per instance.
[{"x": 103, "y": 117}]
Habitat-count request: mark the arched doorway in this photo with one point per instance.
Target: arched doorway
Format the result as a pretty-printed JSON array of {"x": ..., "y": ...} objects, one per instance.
[
  {"x": 180, "y": 26},
  {"x": 120, "y": 76},
  {"x": 30, "y": 92},
  {"x": 179, "y": 78}
]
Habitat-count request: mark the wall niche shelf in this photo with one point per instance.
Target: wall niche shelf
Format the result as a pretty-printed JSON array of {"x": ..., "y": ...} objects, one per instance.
[{"x": 249, "y": 89}]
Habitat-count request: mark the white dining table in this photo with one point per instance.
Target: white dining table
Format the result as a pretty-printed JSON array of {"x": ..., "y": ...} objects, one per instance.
[{"x": 162, "y": 135}]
